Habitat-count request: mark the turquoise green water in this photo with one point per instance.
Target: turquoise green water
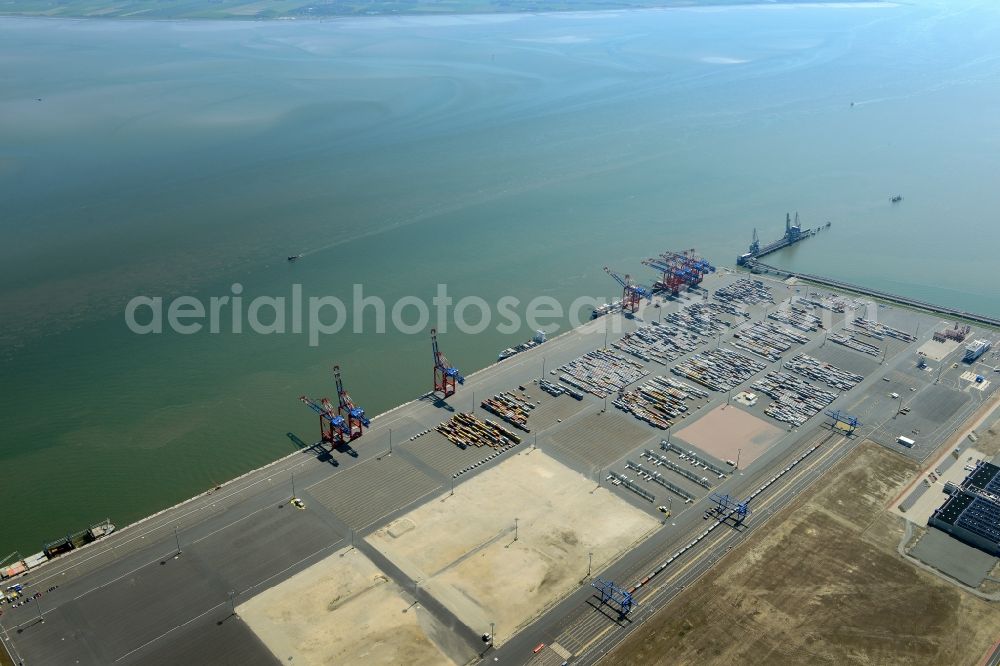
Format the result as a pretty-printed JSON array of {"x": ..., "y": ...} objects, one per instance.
[{"x": 512, "y": 155}]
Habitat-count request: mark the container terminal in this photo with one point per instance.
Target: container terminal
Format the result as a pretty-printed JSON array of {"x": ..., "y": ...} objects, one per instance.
[{"x": 450, "y": 529}]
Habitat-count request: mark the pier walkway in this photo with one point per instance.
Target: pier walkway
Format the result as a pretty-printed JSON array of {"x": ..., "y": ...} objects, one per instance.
[{"x": 875, "y": 293}]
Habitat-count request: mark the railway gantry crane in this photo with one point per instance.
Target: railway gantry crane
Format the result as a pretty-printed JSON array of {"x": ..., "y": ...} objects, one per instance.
[
  {"x": 332, "y": 426},
  {"x": 611, "y": 593},
  {"x": 631, "y": 293},
  {"x": 844, "y": 421},
  {"x": 445, "y": 374},
  {"x": 355, "y": 416},
  {"x": 728, "y": 507}
]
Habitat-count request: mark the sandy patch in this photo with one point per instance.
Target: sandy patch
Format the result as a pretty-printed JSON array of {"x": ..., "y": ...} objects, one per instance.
[
  {"x": 462, "y": 548},
  {"x": 937, "y": 351},
  {"x": 343, "y": 610}
]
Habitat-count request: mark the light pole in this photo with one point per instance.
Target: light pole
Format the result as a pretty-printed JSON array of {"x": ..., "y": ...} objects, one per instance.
[
  {"x": 493, "y": 634},
  {"x": 232, "y": 601},
  {"x": 390, "y": 441},
  {"x": 177, "y": 540},
  {"x": 293, "y": 489},
  {"x": 543, "y": 368},
  {"x": 473, "y": 403},
  {"x": 738, "y": 453},
  {"x": 605, "y": 333},
  {"x": 590, "y": 563},
  {"x": 515, "y": 529}
]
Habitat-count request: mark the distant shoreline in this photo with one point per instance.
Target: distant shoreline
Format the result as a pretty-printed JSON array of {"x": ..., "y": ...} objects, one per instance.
[{"x": 318, "y": 10}]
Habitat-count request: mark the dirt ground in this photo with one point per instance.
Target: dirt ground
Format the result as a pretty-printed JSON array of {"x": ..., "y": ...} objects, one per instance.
[
  {"x": 823, "y": 584},
  {"x": 988, "y": 440},
  {"x": 725, "y": 430},
  {"x": 462, "y": 550},
  {"x": 343, "y": 610}
]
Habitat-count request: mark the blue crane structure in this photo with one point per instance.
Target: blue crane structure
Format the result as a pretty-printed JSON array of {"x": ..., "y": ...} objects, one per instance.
[
  {"x": 727, "y": 507},
  {"x": 843, "y": 420},
  {"x": 355, "y": 416},
  {"x": 445, "y": 374},
  {"x": 611, "y": 593},
  {"x": 631, "y": 293},
  {"x": 332, "y": 427}
]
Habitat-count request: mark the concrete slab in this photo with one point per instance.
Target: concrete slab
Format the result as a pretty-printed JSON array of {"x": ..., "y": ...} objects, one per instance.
[
  {"x": 437, "y": 452},
  {"x": 601, "y": 438},
  {"x": 553, "y": 409},
  {"x": 374, "y": 489},
  {"x": 846, "y": 359},
  {"x": 953, "y": 558},
  {"x": 727, "y": 432}
]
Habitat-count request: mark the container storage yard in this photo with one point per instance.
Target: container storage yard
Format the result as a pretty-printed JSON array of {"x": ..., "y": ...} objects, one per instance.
[
  {"x": 826, "y": 373},
  {"x": 795, "y": 400},
  {"x": 660, "y": 401},
  {"x": 601, "y": 372},
  {"x": 719, "y": 369}
]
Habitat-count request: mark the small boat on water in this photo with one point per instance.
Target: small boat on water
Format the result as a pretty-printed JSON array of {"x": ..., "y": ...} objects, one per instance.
[
  {"x": 294, "y": 257},
  {"x": 897, "y": 198}
]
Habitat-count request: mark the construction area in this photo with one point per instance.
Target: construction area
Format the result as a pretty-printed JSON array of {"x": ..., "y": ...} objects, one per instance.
[
  {"x": 344, "y": 610},
  {"x": 529, "y": 523},
  {"x": 502, "y": 548},
  {"x": 822, "y": 584}
]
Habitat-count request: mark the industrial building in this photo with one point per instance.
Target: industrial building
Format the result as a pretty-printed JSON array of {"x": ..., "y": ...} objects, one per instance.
[
  {"x": 970, "y": 518},
  {"x": 984, "y": 480},
  {"x": 972, "y": 512},
  {"x": 975, "y": 349}
]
